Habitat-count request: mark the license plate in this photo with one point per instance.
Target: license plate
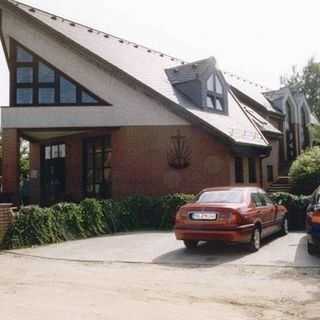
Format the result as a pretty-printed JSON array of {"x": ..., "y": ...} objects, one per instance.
[{"x": 203, "y": 216}]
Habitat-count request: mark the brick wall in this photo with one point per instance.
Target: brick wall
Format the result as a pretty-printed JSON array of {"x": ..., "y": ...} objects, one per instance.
[
  {"x": 6, "y": 218},
  {"x": 140, "y": 165}
]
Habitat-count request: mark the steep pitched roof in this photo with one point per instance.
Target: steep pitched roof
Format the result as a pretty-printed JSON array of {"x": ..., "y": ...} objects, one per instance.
[
  {"x": 250, "y": 89},
  {"x": 148, "y": 67}
]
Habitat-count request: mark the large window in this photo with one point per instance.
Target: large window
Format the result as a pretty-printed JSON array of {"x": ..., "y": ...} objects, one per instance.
[
  {"x": 216, "y": 95},
  {"x": 36, "y": 83},
  {"x": 97, "y": 173},
  {"x": 252, "y": 170},
  {"x": 238, "y": 167}
]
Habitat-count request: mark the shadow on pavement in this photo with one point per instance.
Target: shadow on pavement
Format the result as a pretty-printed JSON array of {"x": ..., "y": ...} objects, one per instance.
[
  {"x": 208, "y": 254},
  {"x": 302, "y": 257}
]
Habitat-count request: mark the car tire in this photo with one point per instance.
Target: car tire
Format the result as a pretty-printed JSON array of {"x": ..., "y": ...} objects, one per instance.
[
  {"x": 255, "y": 242},
  {"x": 284, "y": 226},
  {"x": 191, "y": 244},
  {"x": 312, "y": 249}
]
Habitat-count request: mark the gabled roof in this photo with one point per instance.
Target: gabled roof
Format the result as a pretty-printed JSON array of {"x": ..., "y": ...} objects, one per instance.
[{"x": 148, "y": 67}]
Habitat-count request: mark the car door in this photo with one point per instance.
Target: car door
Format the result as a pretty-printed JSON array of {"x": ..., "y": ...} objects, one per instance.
[
  {"x": 263, "y": 212},
  {"x": 271, "y": 214}
]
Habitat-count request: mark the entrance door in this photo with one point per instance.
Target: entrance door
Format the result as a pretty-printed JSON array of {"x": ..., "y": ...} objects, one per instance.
[{"x": 53, "y": 173}]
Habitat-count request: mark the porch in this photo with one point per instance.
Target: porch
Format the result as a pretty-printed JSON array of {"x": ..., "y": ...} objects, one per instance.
[{"x": 65, "y": 164}]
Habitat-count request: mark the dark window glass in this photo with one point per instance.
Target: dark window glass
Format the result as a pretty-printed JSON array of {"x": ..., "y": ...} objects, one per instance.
[
  {"x": 216, "y": 96},
  {"x": 46, "y": 74},
  {"x": 46, "y": 95},
  {"x": 98, "y": 167},
  {"x": 239, "y": 170},
  {"x": 23, "y": 55},
  {"x": 252, "y": 170},
  {"x": 86, "y": 98},
  {"x": 270, "y": 173},
  {"x": 68, "y": 91},
  {"x": 24, "y": 96},
  {"x": 32, "y": 76},
  {"x": 24, "y": 75},
  {"x": 256, "y": 199}
]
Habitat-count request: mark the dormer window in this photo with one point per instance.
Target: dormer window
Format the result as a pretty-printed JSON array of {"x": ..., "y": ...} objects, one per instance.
[
  {"x": 216, "y": 96},
  {"x": 37, "y": 83}
]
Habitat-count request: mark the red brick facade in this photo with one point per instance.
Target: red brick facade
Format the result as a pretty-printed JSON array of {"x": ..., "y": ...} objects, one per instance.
[
  {"x": 140, "y": 164},
  {"x": 10, "y": 162}
]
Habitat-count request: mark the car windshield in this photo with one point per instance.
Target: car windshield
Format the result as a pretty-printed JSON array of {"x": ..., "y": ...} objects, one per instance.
[{"x": 221, "y": 196}]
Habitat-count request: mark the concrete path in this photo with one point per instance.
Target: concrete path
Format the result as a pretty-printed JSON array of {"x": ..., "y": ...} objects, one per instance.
[{"x": 162, "y": 248}]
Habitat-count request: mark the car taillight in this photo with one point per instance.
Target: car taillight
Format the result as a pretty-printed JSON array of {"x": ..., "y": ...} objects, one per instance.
[
  {"x": 315, "y": 217},
  {"x": 180, "y": 216},
  {"x": 235, "y": 217}
]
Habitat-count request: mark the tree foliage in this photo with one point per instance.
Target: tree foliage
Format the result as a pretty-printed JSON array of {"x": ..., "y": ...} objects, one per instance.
[{"x": 308, "y": 82}]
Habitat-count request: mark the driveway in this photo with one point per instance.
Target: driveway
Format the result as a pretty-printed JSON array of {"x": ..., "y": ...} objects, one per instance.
[
  {"x": 151, "y": 276},
  {"x": 162, "y": 248}
]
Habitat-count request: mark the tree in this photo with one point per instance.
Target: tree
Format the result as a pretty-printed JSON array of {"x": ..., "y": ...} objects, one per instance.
[
  {"x": 308, "y": 82},
  {"x": 24, "y": 162}
]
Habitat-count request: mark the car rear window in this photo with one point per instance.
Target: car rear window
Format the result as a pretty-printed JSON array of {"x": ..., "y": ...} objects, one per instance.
[{"x": 221, "y": 196}]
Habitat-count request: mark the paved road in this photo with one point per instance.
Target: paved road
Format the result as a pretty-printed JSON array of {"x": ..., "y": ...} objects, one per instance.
[
  {"x": 167, "y": 282},
  {"x": 162, "y": 248}
]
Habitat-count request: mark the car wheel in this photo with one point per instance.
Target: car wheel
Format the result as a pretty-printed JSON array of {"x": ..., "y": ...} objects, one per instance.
[
  {"x": 191, "y": 244},
  {"x": 255, "y": 242},
  {"x": 312, "y": 249},
  {"x": 285, "y": 226}
]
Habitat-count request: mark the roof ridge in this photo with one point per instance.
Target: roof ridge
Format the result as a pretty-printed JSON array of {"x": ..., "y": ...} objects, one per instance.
[
  {"x": 253, "y": 83},
  {"x": 97, "y": 31}
]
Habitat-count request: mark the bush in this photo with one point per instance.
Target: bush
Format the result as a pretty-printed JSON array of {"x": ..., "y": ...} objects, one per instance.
[
  {"x": 305, "y": 172},
  {"x": 68, "y": 221},
  {"x": 296, "y": 206}
]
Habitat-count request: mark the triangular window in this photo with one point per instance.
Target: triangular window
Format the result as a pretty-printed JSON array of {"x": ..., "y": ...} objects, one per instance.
[{"x": 36, "y": 83}]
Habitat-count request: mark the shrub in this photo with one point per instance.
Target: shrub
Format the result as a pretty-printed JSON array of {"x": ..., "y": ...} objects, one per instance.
[
  {"x": 170, "y": 205},
  {"x": 296, "y": 206},
  {"x": 305, "y": 172},
  {"x": 67, "y": 221}
]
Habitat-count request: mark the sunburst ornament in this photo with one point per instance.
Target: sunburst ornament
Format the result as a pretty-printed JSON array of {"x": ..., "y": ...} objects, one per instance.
[{"x": 179, "y": 153}]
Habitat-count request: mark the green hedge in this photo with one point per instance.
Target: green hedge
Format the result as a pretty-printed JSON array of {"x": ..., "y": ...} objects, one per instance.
[
  {"x": 296, "y": 206},
  {"x": 304, "y": 172},
  {"x": 91, "y": 217}
]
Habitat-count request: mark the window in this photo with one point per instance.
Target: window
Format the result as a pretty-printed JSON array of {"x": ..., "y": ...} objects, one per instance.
[
  {"x": 98, "y": 167},
  {"x": 270, "y": 173},
  {"x": 46, "y": 74},
  {"x": 24, "y": 75},
  {"x": 238, "y": 167},
  {"x": 252, "y": 170},
  {"x": 24, "y": 96},
  {"x": 257, "y": 200},
  {"x": 216, "y": 95},
  {"x": 35, "y": 82},
  {"x": 68, "y": 91},
  {"x": 55, "y": 151},
  {"x": 221, "y": 196},
  {"x": 46, "y": 95}
]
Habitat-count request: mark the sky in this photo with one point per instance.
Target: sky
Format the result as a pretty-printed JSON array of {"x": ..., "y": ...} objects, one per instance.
[{"x": 258, "y": 40}]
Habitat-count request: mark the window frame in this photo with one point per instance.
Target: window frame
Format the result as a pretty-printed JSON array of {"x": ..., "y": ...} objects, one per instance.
[
  {"x": 214, "y": 95},
  {"x": 35, "y": 85},
  {"x": 106, "y": 188}
]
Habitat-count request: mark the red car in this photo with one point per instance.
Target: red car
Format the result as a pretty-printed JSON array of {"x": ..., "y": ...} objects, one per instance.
[{"x": 230, "y": 214}]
